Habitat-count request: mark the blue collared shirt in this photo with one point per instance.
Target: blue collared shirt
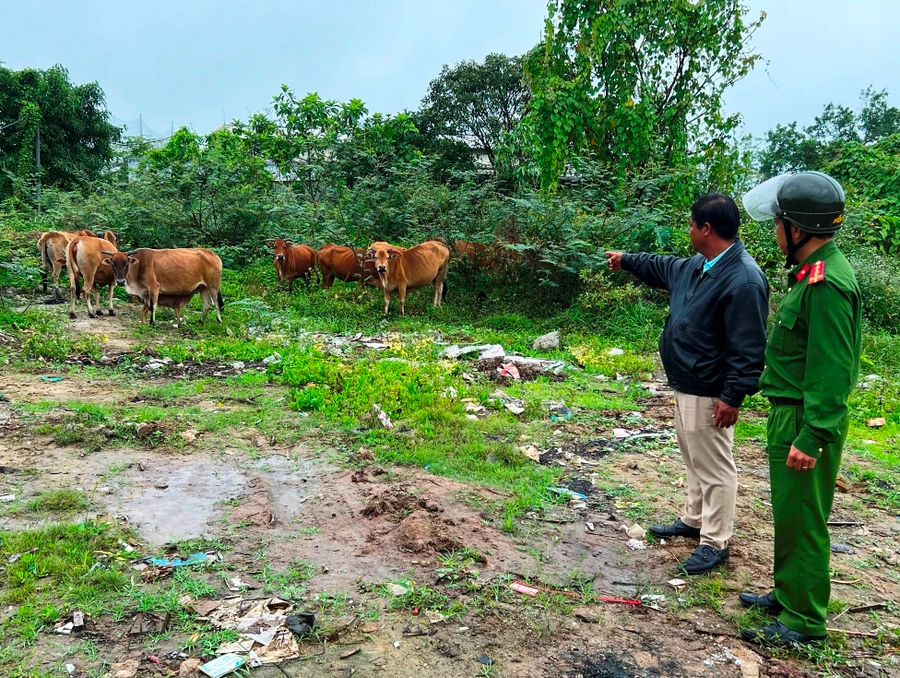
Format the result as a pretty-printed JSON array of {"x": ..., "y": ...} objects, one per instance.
[{"x": 712, "y": 262}]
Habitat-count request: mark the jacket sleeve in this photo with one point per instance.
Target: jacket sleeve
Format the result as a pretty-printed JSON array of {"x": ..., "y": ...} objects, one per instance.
[
  {"x": 745, "y": 342},
  {"x": 653, "y": 269},
  {"x": 830, "y": 367}
]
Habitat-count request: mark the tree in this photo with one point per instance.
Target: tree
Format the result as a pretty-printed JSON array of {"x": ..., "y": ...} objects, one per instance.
[
  {"x": 77, "y": 139},
  {"x": 789, "y": 150},
  {"x": 878, "y": 120},
  {"x": 477, "y": 103},
  {"x": 635, "y": 81}
]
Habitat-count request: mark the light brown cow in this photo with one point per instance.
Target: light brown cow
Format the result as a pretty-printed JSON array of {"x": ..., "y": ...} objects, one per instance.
[
  {"x": 293, "y": 261},
  {"x": 84, "y": 257},
  {"x": 149, "y": 274},
  {"x": 52, "y": 248},
  {"x": 403, "y": 270},
  {"x": 347, "y": 264}
]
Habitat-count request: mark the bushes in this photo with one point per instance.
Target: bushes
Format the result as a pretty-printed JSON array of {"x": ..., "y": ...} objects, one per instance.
[{"x": 880, "y": 288}]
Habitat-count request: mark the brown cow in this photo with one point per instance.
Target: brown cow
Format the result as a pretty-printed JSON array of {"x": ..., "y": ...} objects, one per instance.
[
  {"x": 403, "y": 270},
  {"x": 85, "y": 256},
  {"x": 52, "y": 248},
  {"x": 478, "y": 253},
  {"x": 148, "y": 274},
  {"x": 347, "y": 264},
  {"x": 293, "y": 261},
  {"x": 168, "y": 301}
]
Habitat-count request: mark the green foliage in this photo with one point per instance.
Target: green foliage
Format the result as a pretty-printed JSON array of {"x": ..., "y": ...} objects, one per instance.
[
  {"x": 880, "y": 288},
  {"x": 76, "y": 135},
  {"x": 635, "y": 82}
]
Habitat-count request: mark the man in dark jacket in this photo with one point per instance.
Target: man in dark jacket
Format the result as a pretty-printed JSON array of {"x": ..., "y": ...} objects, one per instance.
[{"x": 712, "y": 347}]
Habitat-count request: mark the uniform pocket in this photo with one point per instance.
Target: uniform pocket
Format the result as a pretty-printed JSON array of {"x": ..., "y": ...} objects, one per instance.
[{"x": 783, "y": 331}]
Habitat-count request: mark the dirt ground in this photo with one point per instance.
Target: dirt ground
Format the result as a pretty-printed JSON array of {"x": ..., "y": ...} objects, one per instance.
[{"x": 362, "y": 526}]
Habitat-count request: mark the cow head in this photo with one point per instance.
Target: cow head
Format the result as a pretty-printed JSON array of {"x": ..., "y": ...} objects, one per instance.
[
  {"x": 382, "y": 256},
  {"x": 120, "y": 262},
  {"x": 280, "y": 246}
]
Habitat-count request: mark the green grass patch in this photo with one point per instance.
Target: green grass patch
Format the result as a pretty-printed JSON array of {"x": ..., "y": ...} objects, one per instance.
[{"x": 58, "y": 501}]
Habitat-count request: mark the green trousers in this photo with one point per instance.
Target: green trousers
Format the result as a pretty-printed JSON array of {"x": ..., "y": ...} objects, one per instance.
[{"x": 801, "y": 504}]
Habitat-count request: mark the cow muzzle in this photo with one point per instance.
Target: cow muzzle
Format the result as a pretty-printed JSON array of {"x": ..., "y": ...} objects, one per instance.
[
  {"x": 120, "y": 282},
  {"x": 280, "y": 257},
  {"x": 382, "y": 270}
]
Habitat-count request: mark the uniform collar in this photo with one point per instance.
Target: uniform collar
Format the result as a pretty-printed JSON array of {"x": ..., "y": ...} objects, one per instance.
[{"x": 820, "y": 254}]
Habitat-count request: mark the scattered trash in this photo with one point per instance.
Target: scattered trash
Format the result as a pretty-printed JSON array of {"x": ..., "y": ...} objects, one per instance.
[
  {"x": 614, "y": 351},
  {"x": 567, "y": 492},
  {"x": 635, "y": 531},
  {"x": 636, "y": 545},
  {"x": 126, "y": 669},
  {"x": 382, "y": 417},
  {"x": 144, "y": 429},
  {"x": 475, "y": 408},
  {"x": 7, "y": 498},
  {"x": 16, "y": 556},
  {"x": 531, "y": 452},
  {"x": 484, "y": 659},
  {"x": 397, "y": 590},
  {"x": 842, "y": 485},
  {"x": 589, "y": 526},
  {"x": 842, "y": 548},
  {"x": 149, "y": 622},
  {"x": 238, "y": 365},
  {"x": 223, "y": 665},
  {"x": 528, "y": 590},
  {"x": 189, "y": 667},
  {"x": 450, "y": 393},
  {"x": 397, "y": 644},
  {"x": 559, "y": 411},
  {"x": 509, "y": 370},
  {"x": 677, "y": 583},
  {"x": 653, "y": 598},
  {"x": 193, "y": 559},
  {"x": 622, "y": 433},
  {"x": 51, "y": 380},
  {"x": 70, "y": 668},
  {"x": 546, "y": 342},
  {"x": 434, "y": 617},
  {"x": 190, "y": 435},
  {"x": 301, "y": 624},
  {"x": 878, "y": 422},
  {"x": 273, "y": 359},
  {"x": 78, "y": 620},
  {"x": 495, "y": 351},
  {"x": 462, "y": 629},
  {"x": 350, "y": 653},
  {"x": 65, "y": 629},
  {"x": 514, "y": 407}
]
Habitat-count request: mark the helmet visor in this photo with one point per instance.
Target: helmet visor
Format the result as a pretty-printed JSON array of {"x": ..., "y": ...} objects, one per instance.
[{"x": 761, "y": 202}]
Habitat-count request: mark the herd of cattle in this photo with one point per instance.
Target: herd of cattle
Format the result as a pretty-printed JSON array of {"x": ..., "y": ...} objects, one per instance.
[{"x": 172, "y": 277}]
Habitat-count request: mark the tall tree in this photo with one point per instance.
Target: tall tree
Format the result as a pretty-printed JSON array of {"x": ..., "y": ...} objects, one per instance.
[
  {"x": 77, "y": 139},
  {"x": 635, "y": 81},
  {"x": 476, "y": 102}
]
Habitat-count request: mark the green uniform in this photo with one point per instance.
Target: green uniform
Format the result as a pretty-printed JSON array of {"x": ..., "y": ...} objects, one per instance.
[{"x": 812, "y": 364}]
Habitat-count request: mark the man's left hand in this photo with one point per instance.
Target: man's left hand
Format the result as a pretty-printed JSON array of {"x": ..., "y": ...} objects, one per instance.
[{"x": 724, "y": 415}]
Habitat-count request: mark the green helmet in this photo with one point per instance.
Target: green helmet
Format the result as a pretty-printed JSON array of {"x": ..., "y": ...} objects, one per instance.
[{"x": 812, "y": 201}]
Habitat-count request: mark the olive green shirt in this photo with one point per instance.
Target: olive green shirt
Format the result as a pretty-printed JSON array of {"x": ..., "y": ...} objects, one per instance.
[{"x": 814, "y": 346}]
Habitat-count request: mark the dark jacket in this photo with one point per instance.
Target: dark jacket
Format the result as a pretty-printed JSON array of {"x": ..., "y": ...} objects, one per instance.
[{"x": 714, "y": 341}]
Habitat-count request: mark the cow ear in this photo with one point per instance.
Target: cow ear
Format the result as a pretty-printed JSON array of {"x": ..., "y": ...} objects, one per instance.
[
  {"x": 107, "y": 262},
  {"x": 393, "y": 254},
  {"x": 288, "y": 243},
  {"x": 132, "y": 260}
]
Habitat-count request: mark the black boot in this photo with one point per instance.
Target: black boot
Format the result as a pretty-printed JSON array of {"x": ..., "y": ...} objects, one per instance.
[
  {"x": 676, "y": 529},
  {"x": 778, "y": 634},
  {"x": 704, "y": 559},
  {"x": 765, "y": 602}
]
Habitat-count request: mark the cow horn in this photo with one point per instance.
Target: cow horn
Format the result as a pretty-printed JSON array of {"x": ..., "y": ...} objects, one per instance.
[
  {"x": 131, "y": 253},
  {"x": 107, "y": 253}
]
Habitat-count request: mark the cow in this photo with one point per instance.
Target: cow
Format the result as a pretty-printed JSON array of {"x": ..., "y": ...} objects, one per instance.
[
  {"x": 52, "y": 248},
  {"x": 175, "y": 302},
  {"x": 149, "y": 274},
  {"x": 478, "y": 253},
  {"x": 85, "y": 257},
  {"x": 347, "y": 264},
  {"x": 403, "y": 270},
  {"x": 292, "y": 261}
]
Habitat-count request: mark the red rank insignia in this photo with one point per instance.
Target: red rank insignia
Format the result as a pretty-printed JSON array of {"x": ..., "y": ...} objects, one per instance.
[
  {"x": 817, "y": 273},
  {"x": 801, "y": 274}
]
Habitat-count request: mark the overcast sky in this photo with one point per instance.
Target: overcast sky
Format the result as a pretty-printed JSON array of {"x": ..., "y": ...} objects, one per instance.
[{"x": 199, "y": 62}]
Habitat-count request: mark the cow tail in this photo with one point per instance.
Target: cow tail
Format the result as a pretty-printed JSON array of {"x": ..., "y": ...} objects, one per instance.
[
  {"x": 45, "y": 253},
  {"x": 220, "y": 301},
  {"x": 444, "y": 290}
]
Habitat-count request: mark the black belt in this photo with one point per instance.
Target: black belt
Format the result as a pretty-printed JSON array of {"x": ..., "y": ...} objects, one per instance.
[{"x": 786, "y": 401}]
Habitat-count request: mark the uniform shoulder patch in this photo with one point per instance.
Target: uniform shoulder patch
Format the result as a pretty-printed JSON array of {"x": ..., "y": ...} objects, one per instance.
[{"x": 817, "y": 272}]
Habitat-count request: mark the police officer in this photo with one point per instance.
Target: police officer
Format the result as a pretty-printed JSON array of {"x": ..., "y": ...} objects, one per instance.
[{"x": 812, "y": 364}]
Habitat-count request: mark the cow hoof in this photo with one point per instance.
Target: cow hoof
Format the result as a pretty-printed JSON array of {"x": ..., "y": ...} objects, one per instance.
[
  {"x": 72, "y": 315},
  {"x": 91, "y": 315},
  {"x": 112, "y": 312}
]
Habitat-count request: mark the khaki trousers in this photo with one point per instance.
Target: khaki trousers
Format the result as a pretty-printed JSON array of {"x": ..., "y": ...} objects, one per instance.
[{"x": 711, "y": 473}]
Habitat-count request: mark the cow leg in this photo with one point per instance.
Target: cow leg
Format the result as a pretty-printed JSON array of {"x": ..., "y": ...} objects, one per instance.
[
  {"x": 387, "y": 300},
  {"x": 144, "y": 309},
  {"x": 109, "y": 298},
  {"x": 44, "y": 281},
  {"x": 206, "y": 295},
  {"x": 73, "y": 294},
  {"x": 154, "y": 301},
  {"x": 290, "y": 285},
  {"x": 401, "y": 292},
  {"x": 327, "y": 279},
  {"x": 88, "y": 291}
]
